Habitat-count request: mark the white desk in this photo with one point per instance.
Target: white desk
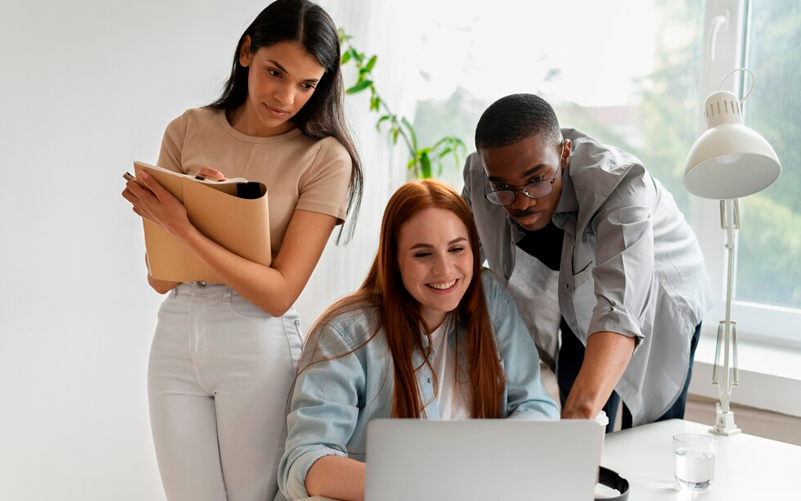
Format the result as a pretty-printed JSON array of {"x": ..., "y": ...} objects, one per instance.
[{"x": 746, "y": 467}]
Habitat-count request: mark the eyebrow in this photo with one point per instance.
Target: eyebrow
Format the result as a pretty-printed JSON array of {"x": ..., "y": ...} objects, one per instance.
[
  {"x": 527, "y": 174},
  {"x": 278, "y": 65},
  {"x": 429, "y": 246}
]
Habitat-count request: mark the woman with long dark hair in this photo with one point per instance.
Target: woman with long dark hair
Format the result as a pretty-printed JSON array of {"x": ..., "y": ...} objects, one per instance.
[
  {"x": 224, "y": 354},
  {"x": 427, "y": 335}
]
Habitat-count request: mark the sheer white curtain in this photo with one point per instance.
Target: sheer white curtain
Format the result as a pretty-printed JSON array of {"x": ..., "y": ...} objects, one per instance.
[{"x": 386, "y": 29}]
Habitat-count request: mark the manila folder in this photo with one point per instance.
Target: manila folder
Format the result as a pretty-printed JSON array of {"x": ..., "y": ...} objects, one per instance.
[{"x": 241, "y": 225}]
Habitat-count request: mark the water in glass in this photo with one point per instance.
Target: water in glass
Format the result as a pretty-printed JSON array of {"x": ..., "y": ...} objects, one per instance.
[{"x": 693, "y": 468}]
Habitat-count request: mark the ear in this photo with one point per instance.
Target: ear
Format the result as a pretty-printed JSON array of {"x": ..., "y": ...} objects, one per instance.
[
  {"x": 245, "y": 55},
  {"x": 568, "y": 150}
]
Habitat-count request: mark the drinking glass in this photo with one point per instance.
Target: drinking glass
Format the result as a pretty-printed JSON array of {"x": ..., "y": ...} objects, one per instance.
[{"x": 694, "y": 460}]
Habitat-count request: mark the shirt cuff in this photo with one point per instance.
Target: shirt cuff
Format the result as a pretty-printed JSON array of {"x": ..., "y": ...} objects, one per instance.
[
  {"x": 618, "y": 320},
  {"x": 296, "y": 487},
  {"x": 549, "y": 413}
]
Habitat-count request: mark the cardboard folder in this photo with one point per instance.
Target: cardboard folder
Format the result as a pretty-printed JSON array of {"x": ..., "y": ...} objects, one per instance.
[{"x": 217, "y": 209}]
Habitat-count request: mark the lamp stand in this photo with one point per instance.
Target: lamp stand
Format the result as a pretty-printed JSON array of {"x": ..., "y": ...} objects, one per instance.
[{"x": 727, "y": 329}]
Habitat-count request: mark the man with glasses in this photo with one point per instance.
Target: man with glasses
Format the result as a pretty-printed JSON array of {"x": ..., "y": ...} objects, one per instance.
[{"x": 591, "y": 245}]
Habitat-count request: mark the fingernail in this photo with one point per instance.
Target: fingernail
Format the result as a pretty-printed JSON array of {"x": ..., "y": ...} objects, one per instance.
[{"x": 145, "y": 175}]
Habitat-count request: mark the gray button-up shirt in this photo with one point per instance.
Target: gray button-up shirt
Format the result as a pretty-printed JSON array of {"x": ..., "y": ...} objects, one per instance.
[{"x": 630, "y": 264}]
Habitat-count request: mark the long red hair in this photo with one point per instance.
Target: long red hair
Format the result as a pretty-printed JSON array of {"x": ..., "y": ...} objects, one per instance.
[{"x": 398, "y": 313}]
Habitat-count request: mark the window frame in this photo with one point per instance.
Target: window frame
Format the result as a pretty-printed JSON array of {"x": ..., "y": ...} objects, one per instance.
[{"x": 724, "y": 50}]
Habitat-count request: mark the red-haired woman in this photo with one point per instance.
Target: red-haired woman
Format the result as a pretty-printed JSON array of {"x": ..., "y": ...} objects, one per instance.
[{"x": 427, "y": 335}]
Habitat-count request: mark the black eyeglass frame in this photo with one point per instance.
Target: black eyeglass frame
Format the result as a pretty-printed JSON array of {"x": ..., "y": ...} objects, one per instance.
[{"x": 522, "y": 188}]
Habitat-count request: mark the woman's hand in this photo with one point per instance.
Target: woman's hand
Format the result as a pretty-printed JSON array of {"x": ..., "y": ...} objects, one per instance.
[
  {"x": 212, "y": 174},
  {"x": 152, "y": 201}
]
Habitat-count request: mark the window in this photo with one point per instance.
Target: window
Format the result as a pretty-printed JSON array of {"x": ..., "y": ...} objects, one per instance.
[
  {"x": 769, "y": 261},
  {"x": 635, "y": 76},
  {"x": 629, "y": 80},
  {"x": 767, "y": 293}
]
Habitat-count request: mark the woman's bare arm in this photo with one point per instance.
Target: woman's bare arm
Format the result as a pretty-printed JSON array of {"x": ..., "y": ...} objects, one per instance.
[{"x": 273, "y": 288}]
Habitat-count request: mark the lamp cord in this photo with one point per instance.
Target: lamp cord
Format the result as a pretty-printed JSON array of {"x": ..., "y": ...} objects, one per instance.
[{"x": 753, "y": 82}]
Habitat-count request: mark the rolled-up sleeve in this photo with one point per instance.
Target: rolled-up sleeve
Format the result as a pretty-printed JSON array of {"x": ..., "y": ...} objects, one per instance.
[
  {"x": 624, "y": 254},
  {"x": 324, "y": 409},
  {"x": 526, "y": 398}
]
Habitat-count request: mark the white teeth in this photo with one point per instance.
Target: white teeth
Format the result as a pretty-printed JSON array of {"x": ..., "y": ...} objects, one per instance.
[{"x": 444, "y": 285}]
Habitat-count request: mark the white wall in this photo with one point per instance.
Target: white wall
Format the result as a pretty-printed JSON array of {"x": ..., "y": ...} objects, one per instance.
[{"x": 85, "y": 88}]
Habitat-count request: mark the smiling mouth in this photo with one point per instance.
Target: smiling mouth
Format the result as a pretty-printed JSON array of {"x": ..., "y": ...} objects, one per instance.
[{"x": 441, "y": 286}]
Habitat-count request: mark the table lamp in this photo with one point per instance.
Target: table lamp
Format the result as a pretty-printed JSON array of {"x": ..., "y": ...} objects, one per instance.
[{"x": 727, "y": 162}]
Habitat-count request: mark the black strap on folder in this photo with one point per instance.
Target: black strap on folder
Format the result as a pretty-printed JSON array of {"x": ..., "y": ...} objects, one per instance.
[{"x": 612, "y": 479}]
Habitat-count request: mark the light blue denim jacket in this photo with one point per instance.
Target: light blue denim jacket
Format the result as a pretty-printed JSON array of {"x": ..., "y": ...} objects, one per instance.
[{"x": 333, "y": 401}]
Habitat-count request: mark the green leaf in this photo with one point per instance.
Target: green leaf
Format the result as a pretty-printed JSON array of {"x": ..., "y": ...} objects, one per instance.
[
  {"x": 395, "y": 132},
  {"x": 357, "y": 55},
  {"x": 445, "y": 151},
  {"x": 343, "y": 36},
  {"x": 360, "y": 86},
  {"x": 345, "y": 57},
  {"x": 370, "y": 64},
  {"x": 425, "y": 166},
  {"x": 380, "y": 120}
]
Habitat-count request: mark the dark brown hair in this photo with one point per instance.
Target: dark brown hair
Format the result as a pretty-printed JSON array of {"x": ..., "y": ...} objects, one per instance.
[{"x": 322, "y": 116}]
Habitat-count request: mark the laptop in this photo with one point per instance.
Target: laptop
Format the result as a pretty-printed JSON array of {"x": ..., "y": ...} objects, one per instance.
[{"x": 482, "y": 460}]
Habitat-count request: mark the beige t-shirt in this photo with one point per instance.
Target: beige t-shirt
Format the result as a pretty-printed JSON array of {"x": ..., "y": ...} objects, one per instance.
[{"x": 299, "y": 172}]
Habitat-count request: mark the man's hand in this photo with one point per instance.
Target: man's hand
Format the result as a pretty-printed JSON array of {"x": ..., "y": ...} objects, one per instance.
[{"x": 605, "y": 359}]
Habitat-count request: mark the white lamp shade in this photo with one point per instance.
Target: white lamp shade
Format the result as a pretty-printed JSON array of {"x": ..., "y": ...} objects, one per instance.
[{"x": 729, "y": 160}]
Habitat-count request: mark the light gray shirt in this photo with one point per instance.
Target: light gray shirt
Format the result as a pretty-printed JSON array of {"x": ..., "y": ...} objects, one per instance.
[{"x": 630, "y": 264}]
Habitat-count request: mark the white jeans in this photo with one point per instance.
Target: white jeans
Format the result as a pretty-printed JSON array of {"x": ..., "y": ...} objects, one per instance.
[{"x": 218, "y": 379}]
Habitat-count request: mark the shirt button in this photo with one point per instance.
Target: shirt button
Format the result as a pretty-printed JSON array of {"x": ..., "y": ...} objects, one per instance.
[
  {"x": 429, "y": 380},
  {"x": 567, "y": 286},
  {"x": 201, "y": 283}
]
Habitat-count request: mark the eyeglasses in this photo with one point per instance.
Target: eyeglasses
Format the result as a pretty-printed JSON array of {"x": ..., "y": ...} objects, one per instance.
[{"x": 536, "y": 189}]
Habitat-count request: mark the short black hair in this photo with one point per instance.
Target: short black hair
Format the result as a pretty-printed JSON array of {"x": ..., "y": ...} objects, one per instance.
[{"x": 514, "y": 118}]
